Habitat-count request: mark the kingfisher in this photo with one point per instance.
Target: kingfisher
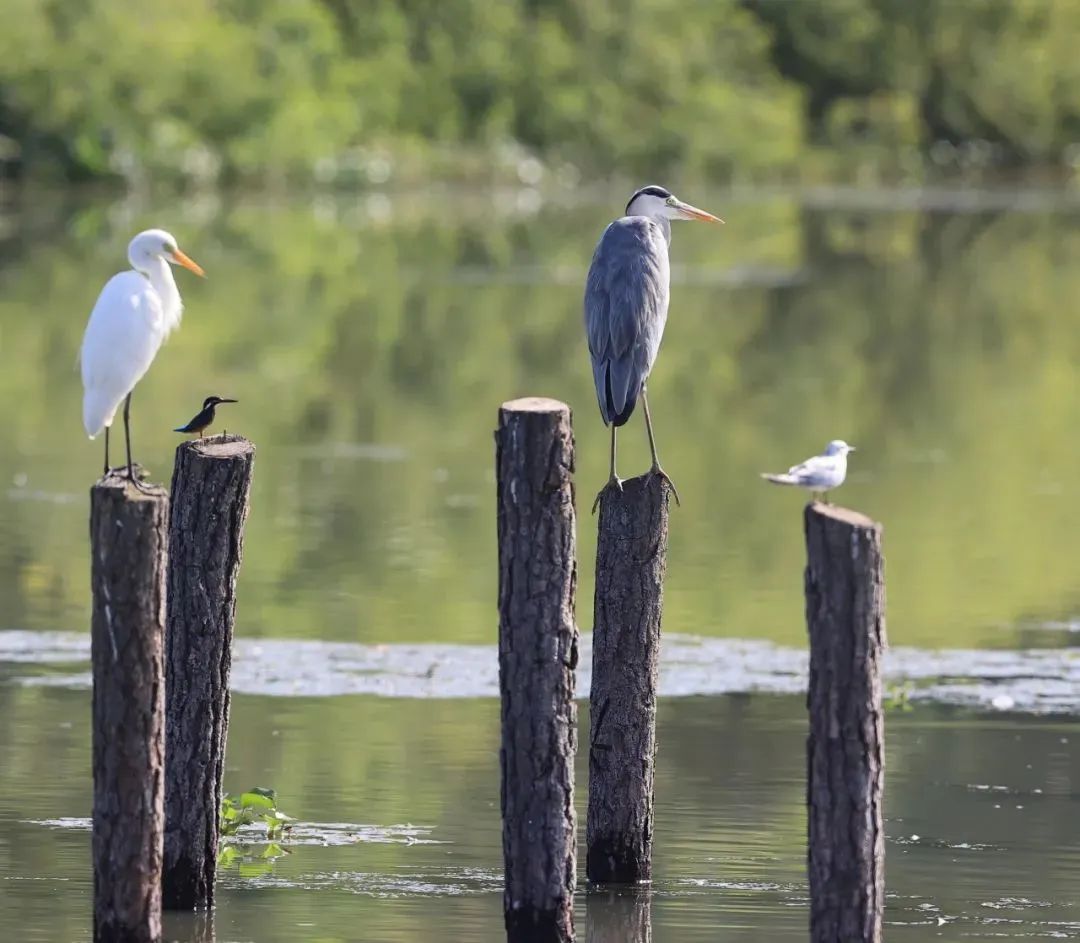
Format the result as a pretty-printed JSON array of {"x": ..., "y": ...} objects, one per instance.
[{"x": 205, "y": 416}]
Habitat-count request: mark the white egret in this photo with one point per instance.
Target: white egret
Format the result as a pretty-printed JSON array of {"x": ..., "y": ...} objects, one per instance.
[
  {"x": 134, "y": 313},
  {"x": 820, "y": 474}
]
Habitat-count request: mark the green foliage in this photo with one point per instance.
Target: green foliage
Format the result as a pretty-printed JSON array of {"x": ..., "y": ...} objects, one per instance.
[
  {"x": 1000, "y": 78},
  {"x": 256, "y": 807},
  {"x": 354, "y": 91},
  {"x": 351, "y": 90}
]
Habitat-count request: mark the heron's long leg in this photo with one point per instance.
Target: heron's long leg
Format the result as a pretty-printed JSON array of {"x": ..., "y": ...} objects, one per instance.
[
  {"x": 613, "y": 480},
  {"x": 656, "y": 469},
  {"x": 106, "y": 474}
]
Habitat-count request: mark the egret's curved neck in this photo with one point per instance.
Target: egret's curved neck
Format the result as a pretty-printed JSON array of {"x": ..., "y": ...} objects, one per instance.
[
  {"x": 665, "y": 227},
  {"x": 159, "y": 272}
]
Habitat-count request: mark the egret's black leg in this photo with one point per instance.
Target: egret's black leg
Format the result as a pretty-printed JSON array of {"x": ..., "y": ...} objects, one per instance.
[
  {"x": 106, "y": 473},
  {"x": 656, "y": 469},
  {"x": 614, "y": 481},
  {"x": 127, "y": 439}
]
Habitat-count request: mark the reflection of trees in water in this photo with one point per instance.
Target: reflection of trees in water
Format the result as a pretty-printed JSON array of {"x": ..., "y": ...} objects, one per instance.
[{"x": 931, "y": 340}]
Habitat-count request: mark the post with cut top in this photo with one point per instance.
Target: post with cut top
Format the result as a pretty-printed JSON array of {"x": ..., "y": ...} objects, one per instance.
[
  {"x": 128, "y": 546},
  {"x": 210, "y": 493},
  {"x": 538, "y": 652},
  {"x": 631, "y": 559},
  {"x": 845, "y": 615}
]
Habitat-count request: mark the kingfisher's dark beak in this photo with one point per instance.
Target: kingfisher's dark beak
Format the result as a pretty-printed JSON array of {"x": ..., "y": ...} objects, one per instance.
[{"x": 228, "y": 401}]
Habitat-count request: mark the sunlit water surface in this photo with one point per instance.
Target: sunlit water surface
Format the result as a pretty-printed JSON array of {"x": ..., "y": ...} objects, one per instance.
[{"x": 370, "y": 342}]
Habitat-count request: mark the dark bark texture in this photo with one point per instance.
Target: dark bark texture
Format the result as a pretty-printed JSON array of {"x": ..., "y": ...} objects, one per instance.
[
  {"x": 631, "y": 558},
  {"x": 619, "y": 916},
  {"x": 210, "y": 488},
  {"x": 845, "y": 615},
  {"x": 538, "y": 652},
  {"x": 128, "y": 545}
]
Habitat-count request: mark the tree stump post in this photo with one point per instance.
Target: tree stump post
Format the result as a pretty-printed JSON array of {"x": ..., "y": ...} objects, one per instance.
[
  {"x": 845, "y": 615},
  {"x": 618, "y": 916},
  {"x": 631, "y": 558},
  {"x": 210, "y": 488},
  {"x": 128, "y": 545},
  {"x": 538, "y": 651}
]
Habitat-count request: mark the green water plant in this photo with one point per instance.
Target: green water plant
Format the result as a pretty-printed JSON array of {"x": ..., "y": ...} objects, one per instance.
[
  {"x": 257, "y": 806},
  {"x": 254, "y": 850}
]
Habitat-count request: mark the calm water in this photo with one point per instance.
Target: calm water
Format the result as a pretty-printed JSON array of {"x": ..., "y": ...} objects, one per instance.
[{"x": 370, "y": 342}]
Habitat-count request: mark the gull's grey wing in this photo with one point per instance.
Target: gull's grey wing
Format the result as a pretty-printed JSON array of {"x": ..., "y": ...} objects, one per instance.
[
  {"x": 821, "y": 469},
  {"x": 626, "y": 304}
]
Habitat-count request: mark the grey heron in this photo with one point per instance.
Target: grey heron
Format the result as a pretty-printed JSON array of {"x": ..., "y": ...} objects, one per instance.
[{"x": 626, "y": 305}]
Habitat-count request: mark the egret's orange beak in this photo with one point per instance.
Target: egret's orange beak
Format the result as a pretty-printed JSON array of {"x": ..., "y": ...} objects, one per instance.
[
  {"x": 692, "y": 212},
  {"x": 180, "y": 259}
]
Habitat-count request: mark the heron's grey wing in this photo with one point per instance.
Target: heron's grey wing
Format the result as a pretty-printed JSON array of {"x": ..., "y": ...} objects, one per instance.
[{"x": 626, "y": 303}]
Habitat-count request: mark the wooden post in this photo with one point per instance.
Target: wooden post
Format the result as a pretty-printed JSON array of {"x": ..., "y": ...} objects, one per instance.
[
  {"x": 210, "y": 488},
  {"x": 618, "y": 916},
  {"x": 127, "y": 574},
  {"x": 845, "y": 615},
  {"x": 538, "y": 651},
  {"x": 631, "y": 557}
]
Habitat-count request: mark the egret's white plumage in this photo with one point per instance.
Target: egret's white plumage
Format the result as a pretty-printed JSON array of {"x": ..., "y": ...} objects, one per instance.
[
  {"x": 134, "y": 313},
  {"x": 819, "y": 474}
]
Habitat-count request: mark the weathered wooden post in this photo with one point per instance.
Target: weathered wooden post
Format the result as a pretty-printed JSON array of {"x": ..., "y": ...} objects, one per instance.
[
  {"x": 845, "y": 615},
  {"x": 210, "y": 487},
  {"x": 631, "y": 558},
  {"x": 618, "y": 916},
  {"x": 538, "y": 650},
  {"x": 128, "y": 542}
]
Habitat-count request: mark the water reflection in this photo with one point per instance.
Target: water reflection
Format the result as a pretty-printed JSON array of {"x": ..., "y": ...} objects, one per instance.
[
  {"x": 369, "y": 357},
  {"x": 618, "y": 916},
  {"x": 188, "y": 927}
]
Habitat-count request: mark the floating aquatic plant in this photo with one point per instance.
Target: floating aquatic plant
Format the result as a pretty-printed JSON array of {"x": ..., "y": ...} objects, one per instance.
[{"x": 264, "y": 825}]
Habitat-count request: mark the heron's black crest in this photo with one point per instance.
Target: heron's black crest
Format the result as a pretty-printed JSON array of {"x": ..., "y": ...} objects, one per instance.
[{"x": 651, "y": 190}]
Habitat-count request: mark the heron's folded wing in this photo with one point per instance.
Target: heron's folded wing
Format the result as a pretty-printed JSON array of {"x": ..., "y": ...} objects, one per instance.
[{"x": 626, "y": 301}]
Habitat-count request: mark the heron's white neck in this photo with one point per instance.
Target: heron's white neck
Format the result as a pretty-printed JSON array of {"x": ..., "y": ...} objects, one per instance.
[
  {"x": 665, "y": 227},
  {"x": 159, "y": 272}
]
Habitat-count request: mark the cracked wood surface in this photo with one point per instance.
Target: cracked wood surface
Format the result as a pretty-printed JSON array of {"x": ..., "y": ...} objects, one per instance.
[
  {"x": 127, "y": 573},
  {"x": 210, "y": 494},
  {"x": 845, "y": 615},
  {"x": 538, "y": 644},
  {"x": 631, "y": 558}
]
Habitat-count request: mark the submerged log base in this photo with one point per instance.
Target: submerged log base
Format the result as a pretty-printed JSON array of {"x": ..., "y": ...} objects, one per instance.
[
  {"x": 631, "y": 559},
  {"x": 538, "y": 651},
  {"x": 845, "y": 615},
  {"x": 127, "y": 573},
  {"x": 210, "y": 493}
]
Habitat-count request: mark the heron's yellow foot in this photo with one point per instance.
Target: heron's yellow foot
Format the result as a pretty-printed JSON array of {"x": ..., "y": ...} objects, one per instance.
[
  {"x": 613, "y": 482},
  {"x": 664, "y": 476}
]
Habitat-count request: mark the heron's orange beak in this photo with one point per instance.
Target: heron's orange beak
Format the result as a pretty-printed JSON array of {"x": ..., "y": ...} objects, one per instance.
[
  {"x": 180, "y": 259},
  {"x": 692, "y": 212}
]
